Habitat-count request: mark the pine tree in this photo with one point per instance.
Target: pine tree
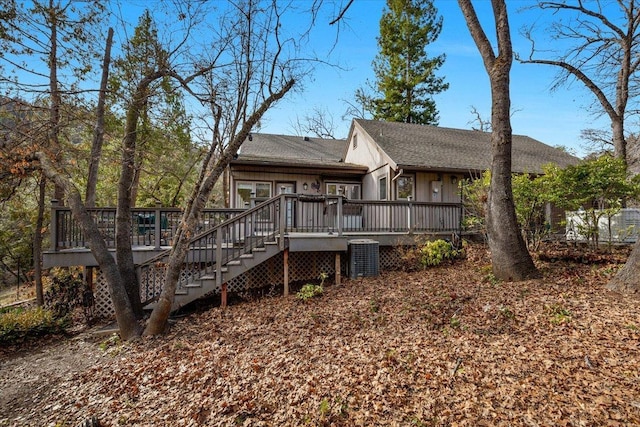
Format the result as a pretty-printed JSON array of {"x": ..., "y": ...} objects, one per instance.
[{"x": 405, "y": 75}]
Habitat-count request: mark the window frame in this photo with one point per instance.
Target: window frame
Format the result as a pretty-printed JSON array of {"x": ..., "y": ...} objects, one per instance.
[
  {"x": 383, "y": 186},
  {"x": 253, "y": 189},
  {"x": 348, "y": 187},
  {"x": 410, "y": 177}
]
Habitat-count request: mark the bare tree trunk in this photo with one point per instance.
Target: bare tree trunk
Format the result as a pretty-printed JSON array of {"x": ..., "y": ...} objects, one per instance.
[
  {"x": 158, "y": 320},
  {"x": 619, "y": 141},
  {"x": 127, "y": 322},
  {"x": 37, "y": 242},
  {"x": 124, "y": 253},
  {"x": 509, "y": 256},
  {"x": 627, "y": 279},
  {"x": 98, "y": 134}
]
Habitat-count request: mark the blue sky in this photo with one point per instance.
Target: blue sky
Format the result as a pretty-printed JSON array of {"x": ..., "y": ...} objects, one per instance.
[{"x": 555, "y": 118}]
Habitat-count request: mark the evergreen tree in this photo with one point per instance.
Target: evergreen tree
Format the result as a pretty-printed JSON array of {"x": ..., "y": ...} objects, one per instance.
[{"x": 405, "y": 75}]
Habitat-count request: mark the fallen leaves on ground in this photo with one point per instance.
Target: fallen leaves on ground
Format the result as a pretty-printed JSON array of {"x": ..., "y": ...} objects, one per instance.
[{"x": 446, "y": 346}]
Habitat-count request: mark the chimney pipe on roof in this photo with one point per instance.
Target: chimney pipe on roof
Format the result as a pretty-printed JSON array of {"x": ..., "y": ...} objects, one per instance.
[{"x": 306, "y": 138}]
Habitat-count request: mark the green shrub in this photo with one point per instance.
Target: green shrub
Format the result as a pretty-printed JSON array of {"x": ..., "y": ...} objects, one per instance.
[
  {"x": 309, "y": 291},
  {"x": 437, "y": 251},
  {"x": 19, "y": 323}
]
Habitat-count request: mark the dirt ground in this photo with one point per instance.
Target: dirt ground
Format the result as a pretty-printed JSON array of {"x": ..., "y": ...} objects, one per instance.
[
  {"x": 30, "y": 376},
  {"x": 448, "y": 346}
]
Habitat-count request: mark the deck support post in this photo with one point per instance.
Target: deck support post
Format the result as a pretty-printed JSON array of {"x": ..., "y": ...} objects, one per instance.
[
  {"x": 286, "y": 271},
  {"x": 337, "y": 267},
  {"x": 223, "y": 296}
]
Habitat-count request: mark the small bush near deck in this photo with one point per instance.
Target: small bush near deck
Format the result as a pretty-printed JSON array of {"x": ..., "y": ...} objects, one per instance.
[
  {"x": 437, "y": 251},
  {"x": 18, "y": 324},
  {"x": 309, "y": 291}
]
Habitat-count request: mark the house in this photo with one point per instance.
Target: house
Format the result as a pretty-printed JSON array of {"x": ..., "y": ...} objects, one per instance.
[
  {"x": 378, "y": 161},
  {"x": 300, "y": 204}
]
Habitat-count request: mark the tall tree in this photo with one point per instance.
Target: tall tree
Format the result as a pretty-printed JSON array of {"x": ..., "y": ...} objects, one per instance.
[
  {"x": 57, "y": 33},
  {"x": 405, "y": 74},
  {"x": 509, "y": 256},
  {"x": 606, "y": 60},
  {"x": 603, "y": 55},
  {"x": 256, "y": 74}
]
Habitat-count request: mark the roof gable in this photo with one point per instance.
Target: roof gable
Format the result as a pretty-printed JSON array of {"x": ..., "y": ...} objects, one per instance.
[{"x": 433, "y": 147}]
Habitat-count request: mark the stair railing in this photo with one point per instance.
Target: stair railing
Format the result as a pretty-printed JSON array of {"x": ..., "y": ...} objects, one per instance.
[{"x": 211, "y": 250}]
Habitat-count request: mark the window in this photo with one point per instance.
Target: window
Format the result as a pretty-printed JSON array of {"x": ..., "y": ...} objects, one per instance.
[
  {"x": 383, "y": 188},
  {"x": 404, "y": 187},
  {"x": 355, "y": 141},
  {"x": 245, "y": 190},
  {"x": 352, "y": 191}
]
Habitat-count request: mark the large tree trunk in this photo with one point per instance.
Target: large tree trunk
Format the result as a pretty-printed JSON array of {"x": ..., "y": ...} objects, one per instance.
[
  {"x": 208, "y": 177},
  {"x": 619, "y": 141},
  {"x": 127, "y": 322},
  {"x": 509, "y": 256},
  {"x": 124, "y": 253},
  {"x": 627, "y": 280}
]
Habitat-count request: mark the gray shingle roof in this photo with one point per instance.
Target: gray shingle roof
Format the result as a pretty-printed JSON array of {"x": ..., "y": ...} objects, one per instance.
[
  {"x": 292, "y": 147},
  {"x": 294, "y": 150},
  {"x": 432, "y": 147}
]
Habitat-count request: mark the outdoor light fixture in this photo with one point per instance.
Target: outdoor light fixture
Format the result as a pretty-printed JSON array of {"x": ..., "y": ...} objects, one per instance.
[
  {"x": 454, "y": 179},
  {"x": 305, "y": 186}
]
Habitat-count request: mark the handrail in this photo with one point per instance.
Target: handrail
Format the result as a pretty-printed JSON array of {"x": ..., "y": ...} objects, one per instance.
[
  {"x": 212, "y": 249},
  {"x": 338, "y": 215},
  {"x": 153, "y": 226}
]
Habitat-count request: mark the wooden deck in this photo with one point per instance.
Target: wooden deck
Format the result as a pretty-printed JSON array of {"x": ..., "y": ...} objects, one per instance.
[
  {"x": 323, "y": 223},
  {"x": 231, "y": 243}
]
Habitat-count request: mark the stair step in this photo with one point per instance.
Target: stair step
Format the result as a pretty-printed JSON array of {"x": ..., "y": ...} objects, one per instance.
[
  {"x": 246, "y": 256},
  {"x": 182, "y": 291},
  {"x": 234, "y": 262},
  {"x": 192, "y": 285}
]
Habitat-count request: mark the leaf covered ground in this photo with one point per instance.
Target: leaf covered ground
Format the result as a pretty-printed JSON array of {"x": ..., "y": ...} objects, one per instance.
[{"x": 448, "y": 346}]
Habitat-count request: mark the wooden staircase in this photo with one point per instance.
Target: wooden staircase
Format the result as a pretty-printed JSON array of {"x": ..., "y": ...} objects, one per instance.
[
  {"x": 220, "y": 254},
  {"x": 207, "y": 283}
]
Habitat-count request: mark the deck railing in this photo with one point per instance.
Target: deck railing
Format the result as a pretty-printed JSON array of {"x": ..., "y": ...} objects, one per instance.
[
  {"x": 154, "y": 227},
  {"x": 301, "y": 213},
  {"x": 336, "y": 214},
  {"x": 228, "y": 234}
]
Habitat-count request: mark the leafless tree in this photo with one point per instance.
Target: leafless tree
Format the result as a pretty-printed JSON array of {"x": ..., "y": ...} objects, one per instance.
[
  {"x": 483, "y": 125},
  {"x": 44, "y": 40},
  {"x": 603, "y": 55},
  {"x": 319, "y": 122},
  {"x": 509, "y": 255}
]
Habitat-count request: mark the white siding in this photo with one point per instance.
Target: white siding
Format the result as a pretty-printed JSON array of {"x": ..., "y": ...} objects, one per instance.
[{"x": 369, "y": 154}]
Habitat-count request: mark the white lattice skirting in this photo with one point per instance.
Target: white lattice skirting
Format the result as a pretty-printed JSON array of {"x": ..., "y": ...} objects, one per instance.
[{"x": 302, "y": 266}]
